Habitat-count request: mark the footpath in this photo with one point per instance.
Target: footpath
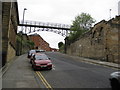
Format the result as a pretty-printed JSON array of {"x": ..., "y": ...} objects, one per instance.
[
  {"x": 104, "y": 63},
  {"x": 99, "y": 62},
  {"x": 19, "y": 74}
]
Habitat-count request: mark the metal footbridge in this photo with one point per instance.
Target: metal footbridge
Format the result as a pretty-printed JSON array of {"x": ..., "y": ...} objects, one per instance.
[{"x": 28, "y": 27}]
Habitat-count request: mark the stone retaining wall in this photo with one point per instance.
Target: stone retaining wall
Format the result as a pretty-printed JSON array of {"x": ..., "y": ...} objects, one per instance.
[
  {"x": 10, "y": 20},
  {"x": 101, "y": 42}
]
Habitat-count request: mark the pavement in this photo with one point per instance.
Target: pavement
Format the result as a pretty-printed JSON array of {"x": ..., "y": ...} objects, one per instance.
[
  {"x": 19, "y": 74},
  {"x": 99, "y": 62},
  {"x": 94, "y": 61},
  {"x": 5, "y": 67}
]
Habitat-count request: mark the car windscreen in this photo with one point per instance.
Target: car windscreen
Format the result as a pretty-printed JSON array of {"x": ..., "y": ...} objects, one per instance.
[
  {"x": 39, "y": 51},
  {"x": 41, "y": 57}
]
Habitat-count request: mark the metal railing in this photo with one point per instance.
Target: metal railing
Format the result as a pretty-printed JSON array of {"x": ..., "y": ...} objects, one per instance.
[
  {"x": 48, "y": 24},
  {"x": 36, "y": 26}
]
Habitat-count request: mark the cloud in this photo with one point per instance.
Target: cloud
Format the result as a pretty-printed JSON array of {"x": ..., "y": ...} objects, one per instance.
[{"x": 52, "y": 38}]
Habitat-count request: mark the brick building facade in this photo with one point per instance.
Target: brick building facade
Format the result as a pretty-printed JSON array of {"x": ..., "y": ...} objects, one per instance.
[
  {"x": 54, "y": 49},
  {"x": 39, "y": 42},
  {"x": 10, "y": 21}
]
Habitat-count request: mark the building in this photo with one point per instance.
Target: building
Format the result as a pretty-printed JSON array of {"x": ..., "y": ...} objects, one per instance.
[
  {"x": 39, "y": 42},
  {"x": 119, "y": 8},
  {"x": 10, "y": 21},
  {"x": 54, "y": 49}
]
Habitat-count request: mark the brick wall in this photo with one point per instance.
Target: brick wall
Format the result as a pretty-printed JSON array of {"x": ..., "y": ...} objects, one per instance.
[
  {"x": 99, "y": 43},
  {"x": 39, "y": 42}
]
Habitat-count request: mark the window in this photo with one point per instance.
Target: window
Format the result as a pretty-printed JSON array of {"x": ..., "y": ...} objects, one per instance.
[{"x": 41, "y": 57}]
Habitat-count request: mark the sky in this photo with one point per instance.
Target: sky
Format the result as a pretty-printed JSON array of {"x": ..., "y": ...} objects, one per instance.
[{"x": 64, "y": 12}]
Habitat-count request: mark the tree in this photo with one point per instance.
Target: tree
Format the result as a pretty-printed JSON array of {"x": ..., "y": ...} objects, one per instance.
[
  {"x": 82, "y": 22},
  {"x": 60, "y": 44},
  {"x": 80, "y": 25}
]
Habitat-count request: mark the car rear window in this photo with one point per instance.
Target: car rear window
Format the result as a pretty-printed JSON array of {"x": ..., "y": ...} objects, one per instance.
[{"x": 41, "y": 57}]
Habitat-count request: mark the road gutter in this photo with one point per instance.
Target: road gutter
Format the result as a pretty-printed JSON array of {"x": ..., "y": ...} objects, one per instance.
[{"x": 103, "y": 63}]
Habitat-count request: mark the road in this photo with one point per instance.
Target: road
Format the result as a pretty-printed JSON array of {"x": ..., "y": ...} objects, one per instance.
[{"x": 67, "y": 72}]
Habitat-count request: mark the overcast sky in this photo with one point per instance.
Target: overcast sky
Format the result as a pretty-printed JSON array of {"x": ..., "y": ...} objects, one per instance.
[{"x": 64, "y": 11}]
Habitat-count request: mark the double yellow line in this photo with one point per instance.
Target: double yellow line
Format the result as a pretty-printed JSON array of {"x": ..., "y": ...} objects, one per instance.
[{"x": 44, "y": 81}]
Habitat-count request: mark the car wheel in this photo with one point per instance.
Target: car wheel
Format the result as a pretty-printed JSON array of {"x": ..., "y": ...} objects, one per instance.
[
  {"x": 33, "y": 67},
  {"x": 30, "y": 61},
  {"x": 49, "y": 68},
  {"x": 115, "y": 84}
]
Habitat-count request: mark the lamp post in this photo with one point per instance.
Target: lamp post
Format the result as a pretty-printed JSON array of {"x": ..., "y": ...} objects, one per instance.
[
  {"x": 23, "y": 15},
  {"x": 110, "y": 13},
  {"x": 22, "y": 28}
]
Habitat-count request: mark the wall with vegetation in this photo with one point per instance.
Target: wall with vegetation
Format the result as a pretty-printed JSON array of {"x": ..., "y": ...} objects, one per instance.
[
  {"x": 23, "y": 44},
  {"x": 101, "y": 42}
]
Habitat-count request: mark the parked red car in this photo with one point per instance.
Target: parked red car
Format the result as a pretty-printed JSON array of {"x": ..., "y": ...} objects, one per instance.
[{"x": 41, "y": 61}]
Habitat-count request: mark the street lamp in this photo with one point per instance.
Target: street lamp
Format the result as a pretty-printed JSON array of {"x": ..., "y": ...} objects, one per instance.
[
  {"x": 22, "y": 28},
  {"x": 110, "y": 13},
  {"x": 23, "y": 15}
]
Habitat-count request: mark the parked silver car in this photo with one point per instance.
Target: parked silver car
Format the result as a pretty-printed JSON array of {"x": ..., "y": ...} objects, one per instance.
[
  {"x": 30, "y": 53},
  {"x": 115, "y": 80}
]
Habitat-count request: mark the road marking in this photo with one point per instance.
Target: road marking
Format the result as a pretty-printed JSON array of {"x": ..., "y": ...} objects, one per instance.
[
  {"x": 44, "y": 81},
  {"x": 53, "y": 67}
]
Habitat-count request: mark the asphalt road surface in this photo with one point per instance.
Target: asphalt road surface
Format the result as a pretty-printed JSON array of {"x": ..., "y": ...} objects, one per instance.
[{"x": 67, "y": 72}]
